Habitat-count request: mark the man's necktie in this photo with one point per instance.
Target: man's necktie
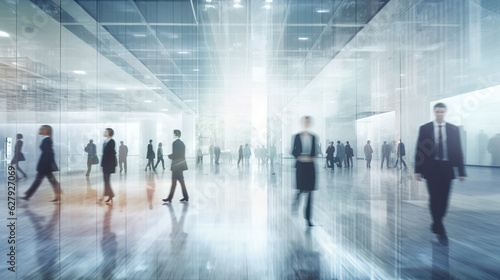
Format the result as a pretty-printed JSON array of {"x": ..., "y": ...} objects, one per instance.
[{"x": 440, "y": 143}]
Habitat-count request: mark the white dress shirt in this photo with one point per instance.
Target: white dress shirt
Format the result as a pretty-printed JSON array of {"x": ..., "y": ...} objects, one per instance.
[
  {"x": 306, "y": 141},
  {"x": 436, "y": 139}
]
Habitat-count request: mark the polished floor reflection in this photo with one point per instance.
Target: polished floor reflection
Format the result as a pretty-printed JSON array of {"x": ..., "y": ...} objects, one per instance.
[{"x": 238, "y": 224}]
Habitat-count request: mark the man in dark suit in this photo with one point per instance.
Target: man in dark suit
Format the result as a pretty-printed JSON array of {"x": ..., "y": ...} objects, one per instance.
[
  {"x": 386, "y": 151},
  {"x": 401, "y": 152},
  {"x": 438, "y": 152},
  {"x": 304, "y": 150},
  {"x": 122, "y": 156},
  {"x": 349, "y": 153},
  {"x": 217, "y": 154},
  {"x": 150, "y": 156},
  {"x": 91, "y": 150},
  {"x": 108, "y": 163},
  {"x": 178, "y": 158},
  {"x": 330, "y": 151},
  {"x": 46, "y": 165}
]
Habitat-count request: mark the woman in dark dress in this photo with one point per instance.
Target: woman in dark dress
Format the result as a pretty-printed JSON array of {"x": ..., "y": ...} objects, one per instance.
[
  {"x": 108, "y": 163},
  {"x": 18, "y": 155},
  {"x": 304, "y": 150}
]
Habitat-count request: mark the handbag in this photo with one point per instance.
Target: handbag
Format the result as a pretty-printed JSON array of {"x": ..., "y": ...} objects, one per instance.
[{"x": 94, "y": 160}]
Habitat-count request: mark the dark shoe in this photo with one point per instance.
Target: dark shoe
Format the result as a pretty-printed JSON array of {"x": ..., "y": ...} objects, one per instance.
[
  {"x": 87, "y": 174},
  {"x": 56, "y": 200},
  {"x": 25, "y": 198},
  {"x": 109, "y": 199},
  {"x": 309, "y": 223},
  {"x": 167, "y": 200},
  {"x": 184, "y": 200}
]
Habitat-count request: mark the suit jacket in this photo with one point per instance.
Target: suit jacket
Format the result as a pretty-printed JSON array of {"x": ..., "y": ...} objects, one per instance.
[
  {"x": 297, "y": 147},
  {"x": 108, "y": 161},
  {"x": 330, "y": 151},
  {"x": 150, "y": 154},
  {"x": 349, "y": 151},
  {"x": 91, "y": 150},
  {"x": 401, "y": 150},
  {"x": 178, "y": 156},
  {"x": 47, "y": 158},
  {"x": 123, "y": 152},
  {"x": 426, "y": 150}
]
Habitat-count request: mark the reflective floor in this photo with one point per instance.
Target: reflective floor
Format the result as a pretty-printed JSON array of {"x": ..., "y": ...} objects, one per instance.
[{"x": 239, "y": 224}]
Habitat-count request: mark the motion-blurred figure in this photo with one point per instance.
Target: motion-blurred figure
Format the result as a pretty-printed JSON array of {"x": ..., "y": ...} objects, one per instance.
[
  {"x": 240, "y": 154},
  {"x": 263, "y": 154},
  {"x": 386, "y": 154},
  {"x": 340, "y": 153},
  {"x": 18, "y": 155},
  {"x": 438, "y": 152},
  {"x": 46, "y": 165},
  {"x": 178, "y": 158},
  {"x": 122, "y": 156},
  {"x": 91, "y": 151},
  {"x": 401, "y": 152},
  {"x": 494, "y": 149},
  {"x": 368, "y": 154},
  {"x": 330, "y": 151},
  {"x": 247, "y": 153},
  {"x": 150, "y": 156},
  {"x": 199, "y": 156},
  {"x": 108, "y": 163},
  {"x": 349, "y": 153},
  {"x": 160, "y": 156},
  {"x": 217, "y": 154},
  {"x": 304, "y": 150},
  {"x": 482, "y": 146}
]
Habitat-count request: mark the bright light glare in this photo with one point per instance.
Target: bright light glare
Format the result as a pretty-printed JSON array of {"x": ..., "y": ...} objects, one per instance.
[
  {"x": 303, "y": 38},
  {"x": 121, "y": 88},
  {"x": 79, "y": 72},
  {"x": 4, "y": 34},
  {"x": 147, "y": 101}
]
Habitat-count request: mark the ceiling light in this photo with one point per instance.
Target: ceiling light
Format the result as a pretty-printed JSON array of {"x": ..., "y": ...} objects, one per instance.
[
  {"x": 196, "y": 70},
  {"x": 79, "y": 72},
  {"x": 322, "y": 11},
  {"x": 147, "y": 101},
  {"x": 267, "y": 7},
  {"x": 182, "y": 52},
  {"x": 209, "y": 1},
  {"x": 139, "y": 35},
  {"x": 303, "y": 38},
  {"x": 164, "y": 110},
  {"x": 237, "y": 6},
  {"x": 269, "y": 1},
  {"x": 121, "y": 88},
  {"x": 237, "y": 1},
  {"x": 15, "y": 63},
  {"x": 4, "y": 34}
]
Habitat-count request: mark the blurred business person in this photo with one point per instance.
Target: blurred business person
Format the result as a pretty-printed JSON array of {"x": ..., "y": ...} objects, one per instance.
[
  {"x": 122, "y": 156},
  {"x": 349, "y": 153},
  {"x": 304, "y": 150},
  {"x": 438, "y": 152},
  {"x": 160, "y": 156},
  {"x": 91, "y": 151},
  {"x": 178, "y": 166},
  {"x": 240, "y": 154},
  {"x": 46, "y": 165},
  {"x": 401, "y": 152},
  {"x": 108, "y": 163},
  {"x": 368, "y": 154},
  {"x": 217, "y": 154},
  {"x": 386, "y": 153},
  {"x": 494, "y": 150},
  {"x": 340, "y": 153},
  {"x": 18, "y": 155},
  {"x": 150, "y": 156},
  {"x": 199, "y": 156},
  {"x": 272, "y": 154},
  {"x": 330, "y": 151}
]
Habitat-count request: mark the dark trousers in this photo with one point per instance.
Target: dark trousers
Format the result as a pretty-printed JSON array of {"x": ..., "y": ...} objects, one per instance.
[
  {"x": 240, "y": 158},
  {"x": 89, "y": 167},
  {"x": 162, "y": 163},
  {"x": 307, "y": 213},
  {"x": 330, "y": 163},
  {"x": 123, "y": 164},
  {"x": 385, "y": 157},
  {"x": 217, "y": 157},
  {"x": 368, "y": 163},
  {"x": 402, "y": 162},
  {"x": 151, "y": 164},
  {"x": 349, "y": 158},
  {"x": 38, "y": 181},
  {"x": 107, "y": 185},
  {"x": 178, "y": 176},
  {"x": 438, "y": 186}
]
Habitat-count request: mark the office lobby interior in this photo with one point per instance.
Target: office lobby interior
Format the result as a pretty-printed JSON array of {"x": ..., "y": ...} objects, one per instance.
[{"x": 239, "y": 76}]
